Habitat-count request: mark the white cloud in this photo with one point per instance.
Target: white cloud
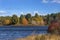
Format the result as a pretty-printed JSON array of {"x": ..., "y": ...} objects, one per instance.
[
  {"x": 36, "y": 12},
  {"x": 21, "y": 12},
  {"x": 56, "y": 1},
  {"x": 40, "y": 13},
  {"x": 3, "y": 12},
  {"x": 50, "y": 1},
  {"x": 24, "y": 13},
  {"x": 45, "y": 1}
]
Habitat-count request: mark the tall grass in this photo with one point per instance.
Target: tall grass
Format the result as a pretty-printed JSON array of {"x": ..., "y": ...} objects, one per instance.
[{"x": 41, "y": 37}]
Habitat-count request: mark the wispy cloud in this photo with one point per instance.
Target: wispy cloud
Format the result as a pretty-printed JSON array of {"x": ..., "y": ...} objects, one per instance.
[
  {"x": 3, "y": 12},
  {"x": 36, "y": 12},
  {"x": 50, "y": 1},
  {"x": 21, "y": 12},
  {"x": 45, "y": 1},
  {"x": 55, "y": 1}
]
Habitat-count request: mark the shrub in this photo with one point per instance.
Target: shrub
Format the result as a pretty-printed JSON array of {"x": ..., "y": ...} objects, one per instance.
[{"x": 54, "y": 27}]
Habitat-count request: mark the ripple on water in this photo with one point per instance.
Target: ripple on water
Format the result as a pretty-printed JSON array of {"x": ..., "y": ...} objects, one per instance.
[{"x": 10, "y": 35}]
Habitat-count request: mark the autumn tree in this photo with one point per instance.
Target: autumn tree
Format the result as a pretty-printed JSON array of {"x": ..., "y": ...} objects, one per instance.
[
  {"x": 39, "y": 20},
  {"x": 24, "y": 21},
  {"x": 6, "y": 22},
  {"x": 54, "y": 27}
]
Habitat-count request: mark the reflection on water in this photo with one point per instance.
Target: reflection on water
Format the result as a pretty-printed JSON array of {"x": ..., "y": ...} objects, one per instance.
[{"x": 10, "y": 35}]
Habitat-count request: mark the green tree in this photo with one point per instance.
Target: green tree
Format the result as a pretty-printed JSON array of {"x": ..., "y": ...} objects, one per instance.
[
  {"x": 36, "y": 15},
  {"x": 20, "y": 19},
  {"x": 14, "y": 19},
  {"x": 58, "y": 15},
  {"x": 28, "y": 17},
  {"x": 48, "y": 19},
  {"x": 53, "y": 16},
  {"x": 1, "y": 20}
]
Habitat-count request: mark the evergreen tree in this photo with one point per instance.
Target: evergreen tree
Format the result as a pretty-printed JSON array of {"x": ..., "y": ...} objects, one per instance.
[
  {"x": 14, "y": 19},
  {"x": 20, "y": 19},
  {"x": 28, "y": 17}
]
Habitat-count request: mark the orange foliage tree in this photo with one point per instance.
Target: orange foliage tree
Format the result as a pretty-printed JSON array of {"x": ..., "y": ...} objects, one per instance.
[{"x": 24, "y": 21}]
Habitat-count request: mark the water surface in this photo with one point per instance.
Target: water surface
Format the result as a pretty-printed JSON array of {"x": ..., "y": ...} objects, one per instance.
[{"x": 12, "y": 33}]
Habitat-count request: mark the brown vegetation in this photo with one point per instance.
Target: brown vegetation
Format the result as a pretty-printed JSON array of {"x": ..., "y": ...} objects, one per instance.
[
  {"x": 54, "y": 27},
  {"x": 7, "y": 22},
  {"x": 41, "y": 37}
]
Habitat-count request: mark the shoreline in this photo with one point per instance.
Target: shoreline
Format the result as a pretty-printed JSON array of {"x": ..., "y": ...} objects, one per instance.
[{"x": 30, "y": 25}]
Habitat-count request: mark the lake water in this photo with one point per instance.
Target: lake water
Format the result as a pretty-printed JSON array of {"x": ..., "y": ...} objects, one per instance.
[{"x": 12, "y": 33}]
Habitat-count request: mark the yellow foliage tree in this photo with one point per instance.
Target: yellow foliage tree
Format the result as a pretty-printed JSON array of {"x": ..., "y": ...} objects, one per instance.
[
  {"x": 7, "y": 22},
  {"x": 39, "y": 20}
]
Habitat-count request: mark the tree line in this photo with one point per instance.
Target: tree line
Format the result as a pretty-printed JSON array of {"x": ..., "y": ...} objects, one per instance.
[{"x": 28, "y": 19}]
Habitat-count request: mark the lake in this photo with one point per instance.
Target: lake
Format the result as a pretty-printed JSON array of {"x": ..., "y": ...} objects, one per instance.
[{"x": 14, "y": 32}]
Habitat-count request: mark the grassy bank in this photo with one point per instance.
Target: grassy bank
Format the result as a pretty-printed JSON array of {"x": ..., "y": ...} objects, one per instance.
[{"x": 41, "y": 37}]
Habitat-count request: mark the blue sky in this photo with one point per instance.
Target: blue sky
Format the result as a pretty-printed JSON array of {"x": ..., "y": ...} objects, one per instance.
[{"x": 18, "y": 7}]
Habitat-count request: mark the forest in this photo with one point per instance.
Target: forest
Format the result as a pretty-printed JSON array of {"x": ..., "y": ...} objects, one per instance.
[{"x": 28, "y": 19}]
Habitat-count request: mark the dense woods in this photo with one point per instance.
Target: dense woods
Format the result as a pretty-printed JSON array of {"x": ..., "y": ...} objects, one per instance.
[{"x": 28, "y": 19}]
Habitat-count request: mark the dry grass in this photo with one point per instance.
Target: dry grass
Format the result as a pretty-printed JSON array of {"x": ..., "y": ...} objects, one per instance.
[{"x": 41, "y": 37}]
